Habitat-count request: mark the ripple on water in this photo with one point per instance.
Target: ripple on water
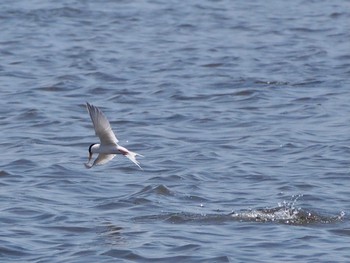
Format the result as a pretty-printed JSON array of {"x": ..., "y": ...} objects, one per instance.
[{"x": 281, "y": 214}]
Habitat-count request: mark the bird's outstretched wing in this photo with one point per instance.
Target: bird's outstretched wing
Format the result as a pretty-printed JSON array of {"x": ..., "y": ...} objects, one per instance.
[
  {"x": 101, "y": 159},
  {"x": 102, "y": 127}
]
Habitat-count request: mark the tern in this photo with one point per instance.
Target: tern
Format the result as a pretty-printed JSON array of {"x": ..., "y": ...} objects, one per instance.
[{"x": 108, "y": 146}]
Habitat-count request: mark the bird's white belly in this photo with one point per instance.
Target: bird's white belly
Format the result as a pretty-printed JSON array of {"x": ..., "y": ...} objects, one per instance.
[{"x": 109, "y": 149}]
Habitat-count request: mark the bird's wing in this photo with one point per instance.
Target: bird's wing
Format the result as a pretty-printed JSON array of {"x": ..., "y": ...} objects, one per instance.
[
  {"x": 102, "y": 127},
  {"x": 103, "y": 158}
]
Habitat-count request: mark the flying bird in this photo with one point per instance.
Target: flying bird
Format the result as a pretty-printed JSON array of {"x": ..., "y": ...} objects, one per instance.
[{"x": 108, "y": 146}]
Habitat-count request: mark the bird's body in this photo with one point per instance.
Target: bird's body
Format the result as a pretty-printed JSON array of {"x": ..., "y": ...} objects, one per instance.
[{"x": 108, "y": 146}]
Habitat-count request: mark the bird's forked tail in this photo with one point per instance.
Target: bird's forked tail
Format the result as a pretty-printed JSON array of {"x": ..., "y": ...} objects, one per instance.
[{"x": 132, "y": 157}]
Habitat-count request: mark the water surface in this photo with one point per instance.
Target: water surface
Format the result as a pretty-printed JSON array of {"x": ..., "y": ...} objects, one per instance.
[{"x": 240, "y": 108}]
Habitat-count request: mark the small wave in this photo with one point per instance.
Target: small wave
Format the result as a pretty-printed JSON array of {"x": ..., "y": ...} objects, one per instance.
[
  {"x": 158, "y": 190},
  {"x": 284, "y": 213},
  {"x": 286, "y": 216},
  {"x": 4, "y": 173},
  {"x": 273, "y": 215}
]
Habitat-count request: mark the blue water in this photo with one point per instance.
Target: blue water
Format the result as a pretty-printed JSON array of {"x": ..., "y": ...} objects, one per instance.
[{"x": 241, "y": 109}]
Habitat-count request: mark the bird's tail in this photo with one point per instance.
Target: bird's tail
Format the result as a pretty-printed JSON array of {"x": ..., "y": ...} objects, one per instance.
[{"x": 132, "y": 157}]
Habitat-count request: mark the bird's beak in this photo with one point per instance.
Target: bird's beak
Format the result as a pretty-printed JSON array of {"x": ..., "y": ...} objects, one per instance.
[
  {"x": 90, "y": 156},
  {"x": 88, "y": 165}
]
